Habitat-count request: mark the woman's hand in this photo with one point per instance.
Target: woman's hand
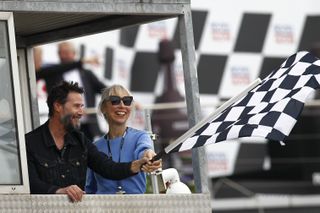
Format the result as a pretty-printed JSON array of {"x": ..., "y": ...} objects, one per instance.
[
  {"x": 151, "y": 166},
  {"x": 149, "y": 153}
]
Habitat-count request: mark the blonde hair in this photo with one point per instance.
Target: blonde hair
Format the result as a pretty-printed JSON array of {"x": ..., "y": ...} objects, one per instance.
[{"x": 107, "y": 92}]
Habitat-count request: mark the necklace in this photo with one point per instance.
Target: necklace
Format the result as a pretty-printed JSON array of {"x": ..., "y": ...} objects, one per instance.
[{"x": 120, "y": 191}]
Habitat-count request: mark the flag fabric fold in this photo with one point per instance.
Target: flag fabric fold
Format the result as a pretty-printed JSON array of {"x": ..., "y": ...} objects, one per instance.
[{"x": 270, "y": 110}]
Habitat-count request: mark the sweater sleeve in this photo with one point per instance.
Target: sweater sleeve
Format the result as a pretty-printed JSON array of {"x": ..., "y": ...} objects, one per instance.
[{"x": 144, "y": 142}]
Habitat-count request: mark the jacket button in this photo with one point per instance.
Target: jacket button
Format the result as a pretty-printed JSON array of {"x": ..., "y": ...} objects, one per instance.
[
  {"x": 63, "y": 176},
  {"x": 77, "y": 163},
  {"x": 46, "y": 165}
]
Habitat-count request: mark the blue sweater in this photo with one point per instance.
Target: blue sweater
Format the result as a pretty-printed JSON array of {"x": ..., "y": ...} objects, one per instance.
[{"x": 135, "y": 142}]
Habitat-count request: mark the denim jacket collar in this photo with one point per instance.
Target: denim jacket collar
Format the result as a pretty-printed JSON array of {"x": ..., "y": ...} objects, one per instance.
[{"x": 48, "y": 138}]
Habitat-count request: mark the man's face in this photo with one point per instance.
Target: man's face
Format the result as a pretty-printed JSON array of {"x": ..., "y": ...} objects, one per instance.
[
  {"x": 72, "y": 110},
  {"x": 66, "y": 53}
]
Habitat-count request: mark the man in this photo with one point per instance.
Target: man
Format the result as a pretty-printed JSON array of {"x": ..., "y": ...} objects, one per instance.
[{"x": 58, "y": 154}]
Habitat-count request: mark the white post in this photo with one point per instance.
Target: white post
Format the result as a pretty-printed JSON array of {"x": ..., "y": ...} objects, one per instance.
[{"x": 153, "y": 177}]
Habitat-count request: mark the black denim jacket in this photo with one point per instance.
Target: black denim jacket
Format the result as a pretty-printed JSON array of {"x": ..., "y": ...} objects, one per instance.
[{"x": 51, "y": 169}]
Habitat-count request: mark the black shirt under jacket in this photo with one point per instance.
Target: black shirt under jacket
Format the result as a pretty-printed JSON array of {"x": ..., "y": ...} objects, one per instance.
[{"x": 51, "y": 169}]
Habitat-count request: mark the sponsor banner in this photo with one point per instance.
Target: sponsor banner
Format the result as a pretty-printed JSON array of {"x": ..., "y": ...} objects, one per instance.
[
  {"x": 221, "y": 158},
  {"x": 241, "y": 70},
  {"x": 149, "y": 35},
  {"x": 220, "y": 32}
]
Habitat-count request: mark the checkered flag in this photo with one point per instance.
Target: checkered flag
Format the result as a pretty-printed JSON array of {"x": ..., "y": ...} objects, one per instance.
[{"x": 269, "y": 110}]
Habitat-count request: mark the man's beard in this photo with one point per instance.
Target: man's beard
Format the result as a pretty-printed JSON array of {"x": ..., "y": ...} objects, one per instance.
[{"x": 68, "y": 124}]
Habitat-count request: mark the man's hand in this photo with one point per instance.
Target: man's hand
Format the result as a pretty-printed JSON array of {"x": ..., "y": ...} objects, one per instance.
[
  {"x": 152, "y": 166},
  {"x": 92, "y": 61},
  {"x": 74, "y": 192}
]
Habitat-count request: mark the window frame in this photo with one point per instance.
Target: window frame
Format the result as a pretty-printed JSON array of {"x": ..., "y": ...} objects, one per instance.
[{"x": 23, "y": 187}]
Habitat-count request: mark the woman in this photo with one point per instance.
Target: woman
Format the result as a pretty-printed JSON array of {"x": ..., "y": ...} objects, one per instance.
[{"x": 121, "y": 144}]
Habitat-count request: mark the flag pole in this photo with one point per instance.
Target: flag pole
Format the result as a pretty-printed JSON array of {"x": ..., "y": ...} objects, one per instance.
[{"x": 211, "y": 117}]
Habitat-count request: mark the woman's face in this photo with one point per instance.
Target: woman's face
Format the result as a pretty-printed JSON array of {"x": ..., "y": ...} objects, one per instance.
[{"x": 116, "y": 111}]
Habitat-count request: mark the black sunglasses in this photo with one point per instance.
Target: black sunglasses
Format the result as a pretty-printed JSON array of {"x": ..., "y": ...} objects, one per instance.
[{"x": 115, "y": 100}]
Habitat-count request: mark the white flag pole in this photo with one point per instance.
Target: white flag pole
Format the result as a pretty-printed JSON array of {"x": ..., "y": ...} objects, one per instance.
[{"x": 211, "y": 117}]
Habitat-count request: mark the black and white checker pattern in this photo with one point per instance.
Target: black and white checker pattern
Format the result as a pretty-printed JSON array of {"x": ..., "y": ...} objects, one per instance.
[
  {"x": 233, "y": 46},
  {"x": 270, "y": 110}
]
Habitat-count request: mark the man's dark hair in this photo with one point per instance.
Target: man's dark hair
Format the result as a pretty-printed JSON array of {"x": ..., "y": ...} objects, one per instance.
[{"x": 59, "y": 93}]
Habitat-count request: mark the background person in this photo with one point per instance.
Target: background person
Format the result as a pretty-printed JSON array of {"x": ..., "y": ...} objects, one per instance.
[
  {"x": 52, "y": 74},
  {"x": 58, "y": 154},
  {"x": 71, "y": 69},
  {"x": 121, "y": 143}
]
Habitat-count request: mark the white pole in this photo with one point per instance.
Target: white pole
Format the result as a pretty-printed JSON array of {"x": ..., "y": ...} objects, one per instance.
[
  {"x": 211, "y": 117},
  {"x": 153, "y": 177}
]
